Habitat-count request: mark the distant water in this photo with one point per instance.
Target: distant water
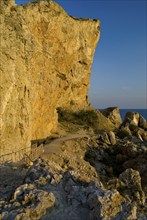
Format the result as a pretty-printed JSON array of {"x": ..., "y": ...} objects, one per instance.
[{"x": 142, "y": 112}]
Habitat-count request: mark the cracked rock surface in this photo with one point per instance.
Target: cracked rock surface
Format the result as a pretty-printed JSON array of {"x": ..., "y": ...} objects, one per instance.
[{"x": 82, "y": 181}]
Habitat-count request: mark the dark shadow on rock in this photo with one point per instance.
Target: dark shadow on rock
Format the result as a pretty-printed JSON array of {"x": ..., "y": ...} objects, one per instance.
[
  {"x": 111, "y": 161},
  {"x": 11, "y": 176}
]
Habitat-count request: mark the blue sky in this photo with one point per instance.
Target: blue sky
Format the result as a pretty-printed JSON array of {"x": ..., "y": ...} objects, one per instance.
[{"x": 119, "y": 70}]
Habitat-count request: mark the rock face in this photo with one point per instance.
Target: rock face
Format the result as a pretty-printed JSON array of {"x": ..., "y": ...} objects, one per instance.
[{"x": 46, "y": 59}]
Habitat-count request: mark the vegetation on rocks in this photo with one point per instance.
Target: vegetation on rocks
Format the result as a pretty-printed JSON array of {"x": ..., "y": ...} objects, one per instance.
[
  {"x": 87, "y": 118},
  {"x": 90, "y": 118}
]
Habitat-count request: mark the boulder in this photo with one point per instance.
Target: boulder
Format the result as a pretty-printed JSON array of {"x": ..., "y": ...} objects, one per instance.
[
  {"x": 112, "y": 137},
  {"x": 142, "y": 122},
  {"x": 133, "y": 125},
  {"x": 140, "y": 133},
  {"x": 132, "y": 180},
  {"x": 33, "y": 203},
  {"x": 103, "y": 138},
  {"x": 113, "y": 113},
  {"x": 105, "y": 204},
  {"x": 106, "y": 138},
  {"x": 123, "y": 132},
  {"x": 131, "y": 118}
]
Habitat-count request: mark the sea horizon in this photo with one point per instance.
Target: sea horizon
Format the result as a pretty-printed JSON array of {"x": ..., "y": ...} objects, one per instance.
[
  {"x": 123, "y": 111},
  {"x": 142, "y": 112}
]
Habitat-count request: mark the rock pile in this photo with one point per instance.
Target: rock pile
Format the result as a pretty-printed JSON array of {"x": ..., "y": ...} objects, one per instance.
[
  {"x": 67, "y": 198},
  {"x": 134, "y": 125},
  {"x": 104, "y": 178}
]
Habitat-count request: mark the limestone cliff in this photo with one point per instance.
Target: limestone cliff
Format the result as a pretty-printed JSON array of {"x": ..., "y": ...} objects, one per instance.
[{"x": 46, "y": 59}]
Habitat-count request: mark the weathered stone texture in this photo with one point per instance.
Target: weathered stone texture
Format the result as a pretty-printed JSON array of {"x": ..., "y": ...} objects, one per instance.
[
  {"x": 46, "y": 59},
  {"x": 113, "y": 113}
]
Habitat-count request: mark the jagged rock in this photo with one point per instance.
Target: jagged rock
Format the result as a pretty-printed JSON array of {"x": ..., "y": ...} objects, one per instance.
[
  {"x": 105, "y": 204},
  {"x": 115, "y": 183},
  {"x": 131, "y": 118},
  {"x": 142, "y": 122},
  {"x": 129, "y": 212},
  {"x": 113, "y": 114},
  {"x": 139, "y": 163},
  {"x": 107, "y": 138},
  {"x": 104, "y": 138},
  {"x": 133, "y": 125},
  {"x": 123, "y": 132},
  {"x": 46, "y": 59},
  {"x": 74, "y": 198},
  {"x": 34, "y": 203},
  {"x": 140, "y": 133},
  {"x": 38, "y": 173},
  {"x": 20, "y": 191},
  {"x": 144, "y": 136},
  {"x": 131, "y": 178}
]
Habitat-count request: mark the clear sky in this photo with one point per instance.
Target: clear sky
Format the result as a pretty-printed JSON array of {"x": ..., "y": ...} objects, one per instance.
[{"x": 119, "y": 70}]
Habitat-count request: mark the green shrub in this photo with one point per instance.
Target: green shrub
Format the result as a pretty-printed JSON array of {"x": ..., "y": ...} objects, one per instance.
[{"x": 83, "y": 117}]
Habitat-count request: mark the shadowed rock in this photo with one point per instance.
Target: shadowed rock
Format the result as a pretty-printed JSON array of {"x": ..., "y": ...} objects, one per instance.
[{"x": 113, "y": 114}]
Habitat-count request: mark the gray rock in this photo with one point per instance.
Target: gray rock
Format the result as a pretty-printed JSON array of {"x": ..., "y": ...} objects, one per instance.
[
  {"x": 22, "y": 190},
  {"x": 128, "y": 212},
  {"x": 105, "y": 204},
  {"x": 39, "y": 173},
  {"x": 142, "y": 217},
  {"x": 132, "y": 180},
  {"x": 34, "y": 203}
]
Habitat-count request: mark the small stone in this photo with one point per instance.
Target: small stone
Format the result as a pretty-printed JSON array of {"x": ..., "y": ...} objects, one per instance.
[{"x": 104, "y": 138}]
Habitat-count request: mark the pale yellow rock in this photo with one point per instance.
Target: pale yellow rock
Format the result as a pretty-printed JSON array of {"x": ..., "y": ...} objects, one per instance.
[{"x": 45, "y": 58}]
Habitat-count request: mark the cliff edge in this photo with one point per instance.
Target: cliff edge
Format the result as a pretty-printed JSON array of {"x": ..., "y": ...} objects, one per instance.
[{"x": 46, "y": 59}]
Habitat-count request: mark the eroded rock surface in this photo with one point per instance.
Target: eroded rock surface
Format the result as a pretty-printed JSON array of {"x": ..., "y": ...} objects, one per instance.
[
  {"x": 88, "y": 178},
  {"x": 46, "y": 59},
  {"x": 113, "y": 113},
  {"x": 134, "y": 125},
  {"x": 66, "y": 198}
]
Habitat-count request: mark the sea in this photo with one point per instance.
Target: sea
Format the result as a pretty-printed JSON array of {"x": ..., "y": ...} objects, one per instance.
[{"x": 142, "y": 112}]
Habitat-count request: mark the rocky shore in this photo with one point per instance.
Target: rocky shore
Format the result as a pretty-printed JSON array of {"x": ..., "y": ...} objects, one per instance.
[
  {"x": 101, "y": 175},
  {"x": 60, "y": 158}
]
